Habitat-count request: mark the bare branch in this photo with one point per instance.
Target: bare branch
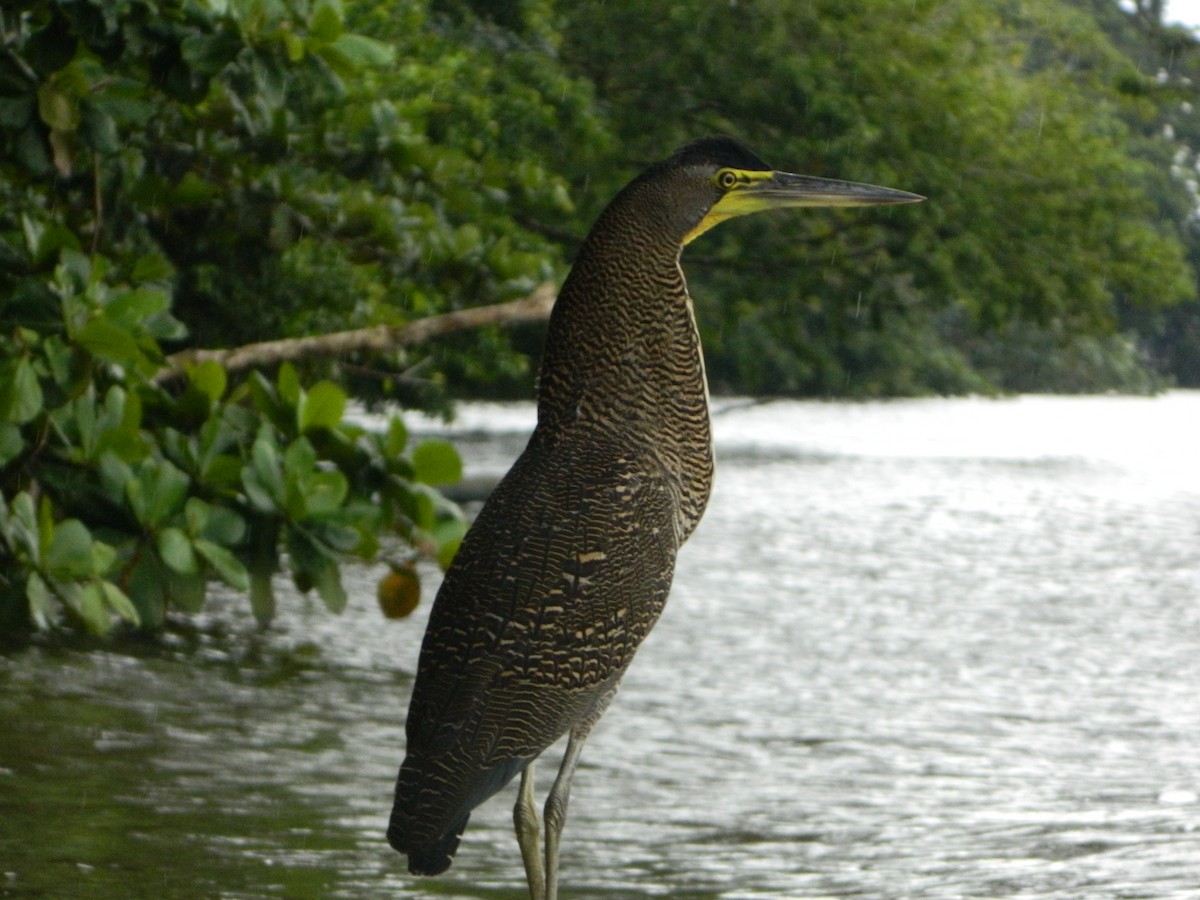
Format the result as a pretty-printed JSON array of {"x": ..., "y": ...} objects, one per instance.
[{"x": 380, "y": 338}]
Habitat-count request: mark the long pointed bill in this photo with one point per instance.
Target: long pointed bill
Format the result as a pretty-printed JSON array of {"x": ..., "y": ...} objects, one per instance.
[{"x": 759, "y": 191}]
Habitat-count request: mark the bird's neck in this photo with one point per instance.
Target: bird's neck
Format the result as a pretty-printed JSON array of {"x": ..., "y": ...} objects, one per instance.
[{"x": 623, "y": 358}]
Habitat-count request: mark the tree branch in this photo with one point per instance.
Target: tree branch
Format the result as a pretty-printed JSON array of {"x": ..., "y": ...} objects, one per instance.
[{"x": 380, "y": 338}]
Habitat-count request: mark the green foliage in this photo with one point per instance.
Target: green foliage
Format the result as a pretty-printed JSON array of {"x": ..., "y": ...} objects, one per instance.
[
  {"x": 291, "y": 167},
  {"x": 1022, "y": 122},
  {"x": 1168, "y": 138},
  {"x": 184, "y": 487},
  {"x": 121, "y": 497}
]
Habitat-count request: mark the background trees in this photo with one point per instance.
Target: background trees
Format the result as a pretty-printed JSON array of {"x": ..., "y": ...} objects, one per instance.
[
  {"x": 211, "y": 172},
  {"x": 1030, "y": 132}
]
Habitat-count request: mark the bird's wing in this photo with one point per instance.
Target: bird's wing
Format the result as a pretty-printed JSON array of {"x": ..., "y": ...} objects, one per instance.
[{"x": 562, "y": 575}]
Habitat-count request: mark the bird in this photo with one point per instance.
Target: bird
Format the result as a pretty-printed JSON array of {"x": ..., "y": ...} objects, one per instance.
[{"x": 568, "y": 564}]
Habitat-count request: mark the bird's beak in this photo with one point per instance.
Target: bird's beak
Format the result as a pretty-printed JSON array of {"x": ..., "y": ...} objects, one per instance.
[{"x": 759, "y": 191}]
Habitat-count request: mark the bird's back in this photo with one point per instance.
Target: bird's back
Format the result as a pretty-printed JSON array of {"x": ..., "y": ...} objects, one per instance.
[{"x": 562, "y": 575}]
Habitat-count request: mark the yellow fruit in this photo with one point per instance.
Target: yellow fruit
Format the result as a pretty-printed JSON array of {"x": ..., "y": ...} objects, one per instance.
[{"x": 399, "y": 592}]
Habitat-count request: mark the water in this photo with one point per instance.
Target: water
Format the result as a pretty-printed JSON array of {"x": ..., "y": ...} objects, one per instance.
[{"x": 931, "y": 649}]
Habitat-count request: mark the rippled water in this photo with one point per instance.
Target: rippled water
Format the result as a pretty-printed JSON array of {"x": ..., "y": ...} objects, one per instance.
[{"x": 928, "y": 649}]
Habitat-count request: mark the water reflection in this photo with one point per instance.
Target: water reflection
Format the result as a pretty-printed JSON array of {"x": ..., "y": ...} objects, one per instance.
[{"x": 916, "y": 650}]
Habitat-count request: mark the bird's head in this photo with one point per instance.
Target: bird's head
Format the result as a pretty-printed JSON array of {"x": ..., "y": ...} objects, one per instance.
[{"x": 724, "y": 180}]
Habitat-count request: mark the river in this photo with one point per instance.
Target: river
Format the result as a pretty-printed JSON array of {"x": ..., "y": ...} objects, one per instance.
[{"x": 916, "y": 649}]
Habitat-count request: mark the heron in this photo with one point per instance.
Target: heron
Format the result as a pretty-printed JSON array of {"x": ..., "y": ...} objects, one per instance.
[{"x": 568, "y": 564}]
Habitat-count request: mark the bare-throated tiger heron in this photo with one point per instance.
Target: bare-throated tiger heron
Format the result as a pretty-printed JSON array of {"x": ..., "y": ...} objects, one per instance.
[{"x": 568, "y": 564}]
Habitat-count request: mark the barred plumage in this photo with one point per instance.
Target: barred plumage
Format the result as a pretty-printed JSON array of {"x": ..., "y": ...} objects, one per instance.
[{"x": 569, "y": 563}]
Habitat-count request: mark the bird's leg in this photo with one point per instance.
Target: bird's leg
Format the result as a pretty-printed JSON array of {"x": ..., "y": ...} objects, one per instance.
[
  {"x": 528, "y": 823},
  {"x": 560, "y": 793},
  {"x": 556, "y": 805}
]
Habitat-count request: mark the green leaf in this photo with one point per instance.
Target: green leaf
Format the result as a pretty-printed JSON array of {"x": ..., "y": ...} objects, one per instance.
[
  {"x": 23, "y": 510},
  {"x": 164, "y": 327},
  {"x": 323, "y": 492},
  {"x": 15, "y": 112},
  {"x": 169, "y": 487},
  {"x": 147, "y": 585},
  {"x": 289, "y": 384},
  {"x": 82, "y": 415},
  {"x": 217, "y": 435},
  {"x": 436, "y": 462},
  {"x": 116, "y": 413},
  {"x": 322, "y": 407},
  {"x": 45, "y": 240},
  {"x": 128, "y": 103},
  {"x": 396, "y": 438},
  {"x": 422, "y": 509},
  {"x": 328, "y": 581},
  {"x": 193, "y": 190},
  {"x": 157, "y": 493},
  {"x": 115, "y": 475},
  {"x": 263, "y": 479},
  {"x": 448, "y": 529},
  {"x": 152, "y": 267},
  {"x": 446, "y": 553},
  {"x": 41, "y": 603},
  {"x": 256, "y": 493},
  {"x": 326, "y": 23},
  {"x": 267, "y": 401},
  {"x": 99, "y": 130},
  {"x": 88, "y": 602},
  {"x": 210, "y": 53},
  {"x": 45, "y": 527},
  {"x": 187, "y": 590},
  {"x": 300, "y": 458},
  {"x": 130, "y": 309},
  {"x": 70, "y": 552},
  {"x": 56, "y": 107},
  {"x": 299, "y": 465},
  {"x": 224, "y": 526},
  {"x": 12, "y": 444},
  {"x": 176, "y": 551},
  {"x": 195, "y": 514},
  {"x": 119, "y": 602},
  {"x": 225, "y": 564},
  {"x": 294, "y": 45},
  {"x": 355, "y": 51},
  {"x": 29, "y": 149},
  {"x": 21, "y": 527},
  {"x": 306, "y": 552},
  {"x": 107, "y": 341},
  {"x": 339, "y": 537},
  {"x": 223, "y": 472},
  {"x": 110, "y": 424},
  {"x": 209, "y": 378},
  {"x": 20, "y": 392},
  {"x": 135, "y": 493},
  {"x": 103, "y": 556}
]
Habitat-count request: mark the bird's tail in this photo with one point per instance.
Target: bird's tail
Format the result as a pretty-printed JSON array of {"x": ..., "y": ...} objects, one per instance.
[
  {"x": 418, "y": 825},
  {"x": 433, "y": 804},
  {"x": 424, "y": 857}
]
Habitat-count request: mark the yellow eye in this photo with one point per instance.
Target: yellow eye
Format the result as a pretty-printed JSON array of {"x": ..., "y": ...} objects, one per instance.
[{"x": 726, "y": 178}]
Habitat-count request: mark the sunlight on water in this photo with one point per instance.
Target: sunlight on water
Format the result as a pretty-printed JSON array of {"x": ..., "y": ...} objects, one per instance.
[
  {"x": 1153, "y": 438},
  {"x": 918, "y": 649}
]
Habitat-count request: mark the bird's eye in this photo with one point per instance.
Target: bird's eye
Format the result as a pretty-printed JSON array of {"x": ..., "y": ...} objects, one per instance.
[{"x": 726, "y": 179}]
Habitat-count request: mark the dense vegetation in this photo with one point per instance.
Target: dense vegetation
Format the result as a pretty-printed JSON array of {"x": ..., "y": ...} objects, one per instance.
[{"x": 213, "y": 172}]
